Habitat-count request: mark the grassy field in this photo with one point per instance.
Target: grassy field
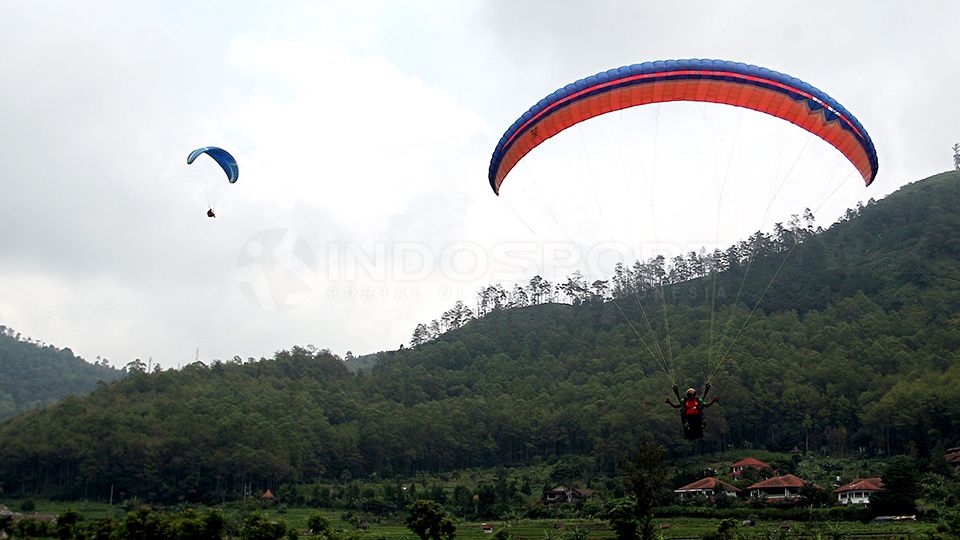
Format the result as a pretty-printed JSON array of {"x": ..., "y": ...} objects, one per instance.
[
  {"x": 549, "y": 529},
  {"x": 669, "y": 528}
]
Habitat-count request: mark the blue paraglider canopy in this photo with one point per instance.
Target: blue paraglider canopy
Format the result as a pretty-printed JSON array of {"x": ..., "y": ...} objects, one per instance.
[{"x": 222, "y": 157}]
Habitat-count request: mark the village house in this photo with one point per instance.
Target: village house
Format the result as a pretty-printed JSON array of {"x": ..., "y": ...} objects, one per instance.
[
  {"x": 707, "y": 487},
  {"x": 953, "y": 456},
  {"x": 859, "y": 491},
  {"x": 777, "y": 488},
  {"x": 747, "y": 463},
  {"x": 563, "y": 494}
]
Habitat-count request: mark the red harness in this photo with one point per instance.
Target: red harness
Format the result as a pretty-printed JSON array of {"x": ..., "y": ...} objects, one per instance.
[{"x": 691, "y": 406}]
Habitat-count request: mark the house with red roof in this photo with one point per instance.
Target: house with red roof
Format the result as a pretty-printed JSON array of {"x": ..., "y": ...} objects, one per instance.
[
  {"x": 859, "y": 491},
  {"x": 745, "y": 463},
  {"x": 708, "y": 487},
  {"x": 780, "y": 487},
  {"x": 953, "y": 456}
]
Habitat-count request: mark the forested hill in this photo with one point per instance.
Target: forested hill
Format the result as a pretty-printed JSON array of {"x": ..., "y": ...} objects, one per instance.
[
  {"x": 855, "y": 349},
  {"x": 34, "y": 374},
  {"x": 893, "y": 251},
  {"x": 902, "y": 250}
]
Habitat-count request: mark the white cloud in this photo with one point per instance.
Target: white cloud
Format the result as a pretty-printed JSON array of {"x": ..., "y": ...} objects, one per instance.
[
  {"x": 368, "y": 127},
  {"x": 352, "y": 135}
]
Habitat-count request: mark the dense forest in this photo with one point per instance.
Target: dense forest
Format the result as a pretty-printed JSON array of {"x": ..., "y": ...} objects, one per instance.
[
  {"x": 843, "y": 342},
  {"x": 34, "y": 374}
]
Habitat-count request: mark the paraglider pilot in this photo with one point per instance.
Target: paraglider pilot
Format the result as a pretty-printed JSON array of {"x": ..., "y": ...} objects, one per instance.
[
  {"x": 691, "y": 410},
  {"x": 224, "y": 159}
]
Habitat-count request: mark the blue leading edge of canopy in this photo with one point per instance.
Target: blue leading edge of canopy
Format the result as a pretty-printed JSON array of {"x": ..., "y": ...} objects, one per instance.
[
  {"x": 222, "y": 157},
  {"x": 661, "y": 66}
]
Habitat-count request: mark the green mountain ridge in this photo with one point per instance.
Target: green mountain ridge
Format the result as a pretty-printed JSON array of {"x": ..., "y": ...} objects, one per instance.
[
  {"x": 34, "y": 375},
  {"x": 852, "y": 350},
  {"x": 897, "y": 247}
]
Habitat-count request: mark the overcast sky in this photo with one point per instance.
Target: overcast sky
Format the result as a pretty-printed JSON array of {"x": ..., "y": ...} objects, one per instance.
[{"x": 364, "y": 131}]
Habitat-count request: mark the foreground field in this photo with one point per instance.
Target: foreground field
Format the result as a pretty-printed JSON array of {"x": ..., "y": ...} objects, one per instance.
[{"x": 551, "y": 529}]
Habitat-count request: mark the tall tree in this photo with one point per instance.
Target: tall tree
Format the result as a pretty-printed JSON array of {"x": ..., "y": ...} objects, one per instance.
[
  {"x": 622, "y": 281},
  {"x": 430, "y": 521},
  {"x": 901, "y": 480},
  {"x": 519, "y": 297},
  {"x": 646, "y": 475},
  {"x": 420, "y": 335},
  {"x": 539, "y": 290},
  {"x": 598, "y": 290},
  {"x": 576, "y": 288}
]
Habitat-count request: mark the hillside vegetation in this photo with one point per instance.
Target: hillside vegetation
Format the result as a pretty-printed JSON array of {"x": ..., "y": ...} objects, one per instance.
[
  {"x": 34, "y": 374},
  {"x": 851, "y": 351}
]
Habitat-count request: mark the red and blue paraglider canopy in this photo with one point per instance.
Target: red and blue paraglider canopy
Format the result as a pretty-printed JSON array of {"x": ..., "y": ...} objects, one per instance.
[{"x": 712, "y": 81}]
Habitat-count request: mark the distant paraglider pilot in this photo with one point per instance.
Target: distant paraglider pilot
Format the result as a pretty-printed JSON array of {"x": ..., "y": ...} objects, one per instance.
[
  {"x": 226, "y": 162},
  {"x": 691, "y": 410}
]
